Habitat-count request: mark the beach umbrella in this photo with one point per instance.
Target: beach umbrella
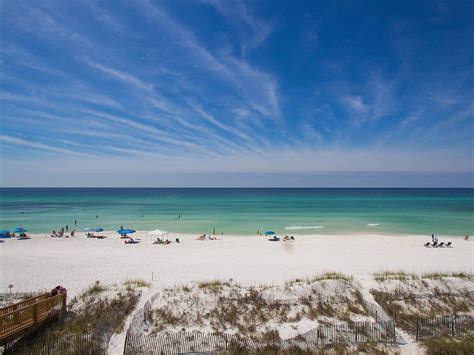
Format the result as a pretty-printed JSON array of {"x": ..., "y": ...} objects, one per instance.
[
  {"x": 88, "y": 229},
  {"x": 269, "y": 232},
  {"x": 158, "y": 232},
  {"x": 98, "y": 229},
  {"x": 125, "y": 231},
  {"x": 19, "y": 230},
  {"x": 4, "y": 231}
]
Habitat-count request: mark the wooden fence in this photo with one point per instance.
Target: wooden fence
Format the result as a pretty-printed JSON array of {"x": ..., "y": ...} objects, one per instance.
[
  {"x": 22, "y": 316},
  {"x": 60, "y": 344},
  {"x": 359, "y": 332},
  {"x": 452, "y": 325}
]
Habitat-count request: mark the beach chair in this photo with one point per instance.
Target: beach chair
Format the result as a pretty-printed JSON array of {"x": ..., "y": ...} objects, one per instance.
[
  {"x": 177, "y": 240},
  {"x": 441, "y": 245},
  {"x": 448, "y": 244},
  {"x": 434, "y": 245},
  {"x": 131, "y": 241},
  {"x": 427, "y": 244}
]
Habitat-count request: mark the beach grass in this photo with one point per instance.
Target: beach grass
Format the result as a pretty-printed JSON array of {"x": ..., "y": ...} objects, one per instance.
[
  {"x": 137, "y": 283},
  {"x": 449, "y": 345},
  {"x": 394, "y": 275}
]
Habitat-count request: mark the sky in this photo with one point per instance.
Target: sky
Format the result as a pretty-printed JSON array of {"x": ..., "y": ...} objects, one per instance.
[{"x": 236, "y": 93}]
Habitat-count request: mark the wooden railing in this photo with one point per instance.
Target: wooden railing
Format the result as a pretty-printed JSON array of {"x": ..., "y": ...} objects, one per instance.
[{"x": 19, "y": 317}]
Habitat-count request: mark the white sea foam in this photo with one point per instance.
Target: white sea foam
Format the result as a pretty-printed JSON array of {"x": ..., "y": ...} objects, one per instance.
[
  {"x": 303, "y": 227},
  {"x": 373, "y": 224}
]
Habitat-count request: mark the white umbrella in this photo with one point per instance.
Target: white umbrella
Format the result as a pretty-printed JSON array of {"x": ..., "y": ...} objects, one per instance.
[{"x": 158, "y": 233}]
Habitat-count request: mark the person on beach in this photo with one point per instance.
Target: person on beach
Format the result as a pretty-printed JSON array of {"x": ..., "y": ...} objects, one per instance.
[{"x": 72, "y": 233}]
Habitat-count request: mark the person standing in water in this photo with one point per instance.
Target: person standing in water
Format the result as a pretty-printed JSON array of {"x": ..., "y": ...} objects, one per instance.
[{"x": 67, "y": 227}]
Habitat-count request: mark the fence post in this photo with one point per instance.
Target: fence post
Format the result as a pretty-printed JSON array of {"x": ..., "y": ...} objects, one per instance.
[
  {"x": 452, "y": 327},
  {"x": 394, "y": 331},
  {"x": 63, "y": 304},
  {"x": 126, "y": 343},
  {"x": 35, "y": 313},
  {"x": 417, "y": 329}
]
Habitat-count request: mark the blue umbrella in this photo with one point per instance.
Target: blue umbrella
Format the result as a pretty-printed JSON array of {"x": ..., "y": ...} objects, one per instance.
[
  {"x": 98, "y": 229},
  {"x": 19, "y": 230},
  {"x": 269, "y": 232},
  {"x": 88, "y": 229},
  {"x": 125, "y": 231},
  {"x": 4, "y": 231}
]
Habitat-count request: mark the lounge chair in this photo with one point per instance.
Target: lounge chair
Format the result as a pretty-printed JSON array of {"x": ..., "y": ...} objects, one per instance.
[
  {"x": 274, "y": 239},
  {"x": 441, "y": 245},
  {"x": 427, "y": 244},
  {"x": 131, "y": 241},
  {"x": 448, "y": 244},
  {"x": 177, "y": 240},
  {"x": 434, "y": 244}
]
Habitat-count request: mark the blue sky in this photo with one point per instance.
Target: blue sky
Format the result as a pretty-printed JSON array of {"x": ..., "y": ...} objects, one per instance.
[{"x": 235, "y": 93}]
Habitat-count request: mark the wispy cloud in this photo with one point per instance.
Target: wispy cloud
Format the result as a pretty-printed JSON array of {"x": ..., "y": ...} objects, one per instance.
[
  {"x": 258, "y": 88},
  {"x": 36, "y": 145},
  {"x": 253, "y": 29}
]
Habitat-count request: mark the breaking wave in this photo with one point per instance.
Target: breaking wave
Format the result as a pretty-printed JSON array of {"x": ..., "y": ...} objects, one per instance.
[{"x": 303, "y": 227}]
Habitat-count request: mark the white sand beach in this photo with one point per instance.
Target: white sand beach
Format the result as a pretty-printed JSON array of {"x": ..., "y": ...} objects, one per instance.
[{"x": 75, "y": 263}]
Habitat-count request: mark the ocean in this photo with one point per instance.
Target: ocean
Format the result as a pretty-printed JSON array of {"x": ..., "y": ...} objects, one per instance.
[{"x": 242, "y": 210}]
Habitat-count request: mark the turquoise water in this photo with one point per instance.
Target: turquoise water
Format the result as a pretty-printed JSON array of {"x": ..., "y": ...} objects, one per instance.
[{"x": 243, "y": 211}]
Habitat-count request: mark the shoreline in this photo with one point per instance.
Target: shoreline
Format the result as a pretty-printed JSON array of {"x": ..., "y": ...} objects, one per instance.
[{"x": 111, "y": 233}]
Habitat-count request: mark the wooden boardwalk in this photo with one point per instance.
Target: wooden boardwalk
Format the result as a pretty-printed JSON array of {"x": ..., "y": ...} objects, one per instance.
[{"x": 22, "y": 317}]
